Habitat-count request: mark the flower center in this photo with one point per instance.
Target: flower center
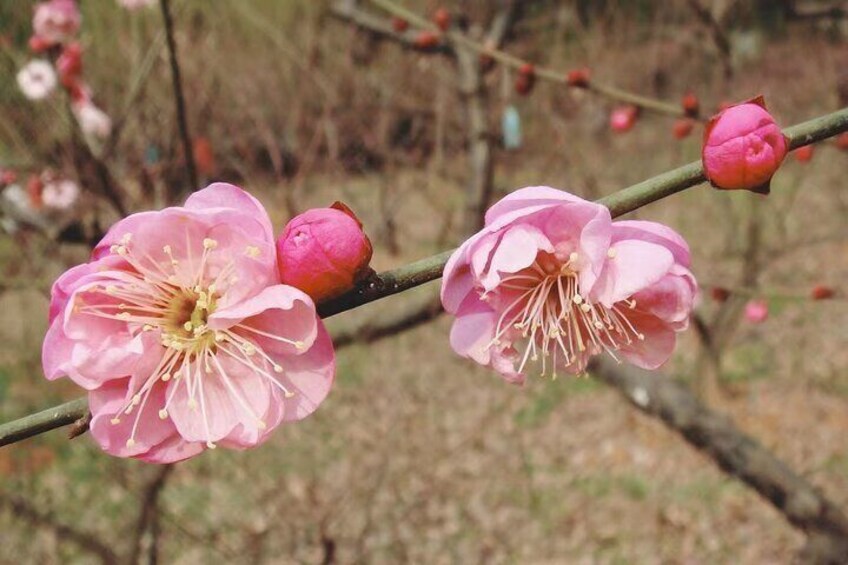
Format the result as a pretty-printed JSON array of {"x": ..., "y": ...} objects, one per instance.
[
  {"x": 545, "y": 308},
  {"x": 177, "y": 300}
]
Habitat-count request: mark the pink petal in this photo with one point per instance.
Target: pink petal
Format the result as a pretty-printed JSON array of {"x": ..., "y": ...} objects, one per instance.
[
  {"x": 653, "y": 232},
  {"x": 527, "y": 198},
  {"x": 231, "y": 395},
  {"x": 635, "y": 266},
  {"x": 516, "y": 250},
  {"x": 657, "y": 346},
  {"x": 223, "y": 195},
  {"x": 310, "y": 376},
  {"x": 279, "y": 310}
]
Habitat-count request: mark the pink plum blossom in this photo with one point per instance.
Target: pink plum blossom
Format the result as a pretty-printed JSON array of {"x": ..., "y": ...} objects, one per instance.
[
  {"x": 60, "y": 194},
  {"x": 56, "y": 21},
  {"x": 92, "y": 120},
  {"x": 623, "y": 118},
  {"x": 37, "y": 80},
  {"x": 552, "y": 279},
  {"x": 756, "y": 311},
  {"x": 743, "y": 147},
  {"x": 324, "y": 251},
  {"x": 184, "y": 337}
]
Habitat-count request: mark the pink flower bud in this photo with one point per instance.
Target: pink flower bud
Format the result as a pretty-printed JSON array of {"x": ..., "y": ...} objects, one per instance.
[
  {"x": 324, "y": 252},
  {"x": 69, "y": 64},
  {"x": 743, "y": 148},
  {"x": 682, "y": 127},
  {"x": 756, "y": 311},
  {"x": 623, "y": 118}
]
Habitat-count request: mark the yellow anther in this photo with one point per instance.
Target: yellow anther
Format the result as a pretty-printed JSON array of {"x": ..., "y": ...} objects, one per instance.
[
  {"x": 261, "y": 425},
  {"x": 573, "y": 257},
  {"x": 288, "y": 394},
  {"x": 136, "y": 399},
  {"x": 115, "y": 421},
  {"x": 299, "y": 345},
  {"x": 146, "y": 328},
  {"x": 192, "y": 404},
  {"x": 577, "y": 299},
  {"x": 187, "y": 326},
  {"x": 166, "y": 377},
  {"x": 278, "y": 369},
  {"x": 611, "y": 253},
  {"x": 252, "y": 251},
  {"x": 585, "y": 307},
  {"x": 124, "y": 315},
  {"x": 167, "y": 249},
  {"x": 210, "y": 445},
  {"x": 209, "y": 243},
  {"x": 130, "y": 442},
  {"x": 163, "y": 414}
]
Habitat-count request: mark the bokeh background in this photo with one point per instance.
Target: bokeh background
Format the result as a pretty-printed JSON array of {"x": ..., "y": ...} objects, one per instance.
[{"x": 417, "y": 455}]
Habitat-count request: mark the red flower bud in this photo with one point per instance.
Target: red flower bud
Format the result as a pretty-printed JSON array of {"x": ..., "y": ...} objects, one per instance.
[
  {"x": 682, "y": 127},
  {"x": 803, "y": 154},
  {"x": 623, "y": 118},
  {"x": 822, "y": 292},
  {"x": 38, "y": 44},
  {"x": 324, "y": 252},
  {"x": 842, "y": 141},
  {"x": 400, "y": 25},
  {"x": 442, "y": 19},
  {"x": 34, "y": 187},
  {"x": 7, "y": 176},
  {"x": 526, "y": 79},
  {"x": 578, "y": 78},
  {"x": 719, "y": 294},
  {"x": 69, "y": 64},
  {"x": 691, "y": 105},
  {"x": 426, "y": 40}
]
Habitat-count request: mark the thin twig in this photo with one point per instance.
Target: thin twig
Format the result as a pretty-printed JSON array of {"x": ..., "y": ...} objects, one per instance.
[
  {"x": 179, "y": 99},
  {"x": 429, "y": 269}
]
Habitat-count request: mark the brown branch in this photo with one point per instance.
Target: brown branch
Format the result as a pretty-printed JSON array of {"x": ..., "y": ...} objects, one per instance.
[
  {"x": 347, "y": 10},
  {"x": 374, "y": 330},
  {"x": 179, "y": 99},
  {"x": 148, "y": 517},
  {"x": 23, "y": 509},
  {"x": 737, "y": 454},
  {"x": 720, "y": 39}
]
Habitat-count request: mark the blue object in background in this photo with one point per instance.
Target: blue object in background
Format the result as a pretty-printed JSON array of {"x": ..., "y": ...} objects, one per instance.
[
  {"x": 511, "y": 126},
  {"x": 151, "y": 155}
]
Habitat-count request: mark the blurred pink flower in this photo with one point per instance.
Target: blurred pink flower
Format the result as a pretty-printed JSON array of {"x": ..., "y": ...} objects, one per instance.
[
  {"x": 756, "y": 311},
  {"x": 92, "y": 120},
  {"x": 37, "y": 79},
  {"x": 550, "y": 272},
  {"x": 56, "y": 21},
  {"x": 69, "y": 64},
  {"x": 184, "y": 336},
  {"x": 60, "y": 194},
  {"x": 623, "y": 118},
  {"x": 743, "y": 147},
  {"x": 324, "y": 251}
]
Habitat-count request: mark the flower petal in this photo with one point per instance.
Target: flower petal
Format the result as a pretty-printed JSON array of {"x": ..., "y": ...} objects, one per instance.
[{"x": 635, "y": 266}]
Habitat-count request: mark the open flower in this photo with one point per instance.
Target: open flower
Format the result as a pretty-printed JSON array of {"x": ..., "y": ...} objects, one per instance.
[
  {"x": 37, "y": 79},
  {"x": 60, "y": 194},
  {"x": 743, "y": 147},
  {"x": 56, "y": 21},
  {"x": 182, "y": 334},
  {"x": 551, "y": 279},
  {"x": 92, "y": 120}
]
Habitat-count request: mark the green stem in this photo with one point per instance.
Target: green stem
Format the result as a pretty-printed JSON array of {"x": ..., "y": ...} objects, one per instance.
[{"x": 429, "y": 269}]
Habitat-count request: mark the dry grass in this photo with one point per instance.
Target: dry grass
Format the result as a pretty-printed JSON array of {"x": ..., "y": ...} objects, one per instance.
[{"x": 418, "y": 456}]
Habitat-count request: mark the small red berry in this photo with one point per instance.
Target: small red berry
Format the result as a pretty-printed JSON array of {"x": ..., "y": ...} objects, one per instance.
[
  {"x": 38, "y": 44},
  {"x": 426, "y": 40},
  {"x": 719, "y": 294},
  {"x": 682, "y": 127},
  {"x": 442, "y": 18},
  {"x": 803, "y": 154},
  {"x": 578, "y": 78},
  {"x": 690, "y": 103},
  {"x": 526, "y": 79},
  {"x": 623, "y": 118},
  {"x": 822, "y": 292},
  {"x": 400, "y": 25}
]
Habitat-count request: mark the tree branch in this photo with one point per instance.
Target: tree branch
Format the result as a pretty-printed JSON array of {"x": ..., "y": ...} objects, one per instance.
[
  {"x": 737, "y": 454},
  {"x": 429, "y": 269},
  {"x": 179, "y": 99}
]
